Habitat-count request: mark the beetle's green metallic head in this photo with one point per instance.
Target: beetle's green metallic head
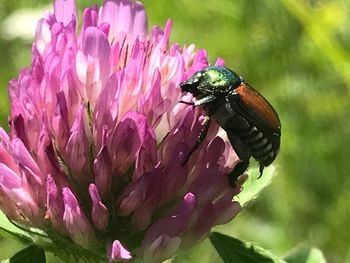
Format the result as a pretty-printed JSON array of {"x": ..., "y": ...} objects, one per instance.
[{"x": 214, "y": 80}]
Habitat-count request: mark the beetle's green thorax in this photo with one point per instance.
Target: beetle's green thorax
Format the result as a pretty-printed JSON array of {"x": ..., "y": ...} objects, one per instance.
[
  {"x": 220, "y": 78},
  {"x": 217, "y": 81}
]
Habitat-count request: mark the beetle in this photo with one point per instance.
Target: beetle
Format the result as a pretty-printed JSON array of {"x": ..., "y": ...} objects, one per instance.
[{"x": 251, "y": 123}]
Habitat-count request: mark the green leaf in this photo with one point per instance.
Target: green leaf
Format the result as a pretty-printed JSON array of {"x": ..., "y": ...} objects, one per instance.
[
  {"x": 254, "y": 185},
  {"x": 31, "y": 254},
  {"x": 232, "y": 250},
  {"x": 305, "y": 255}
]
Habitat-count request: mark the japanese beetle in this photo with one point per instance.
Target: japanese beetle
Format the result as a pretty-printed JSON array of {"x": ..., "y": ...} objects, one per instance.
[{"x": 251, "y": 123}]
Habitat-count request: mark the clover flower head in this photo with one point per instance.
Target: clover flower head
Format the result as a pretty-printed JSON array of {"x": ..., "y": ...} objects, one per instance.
[{"x": 97, "y": 140}]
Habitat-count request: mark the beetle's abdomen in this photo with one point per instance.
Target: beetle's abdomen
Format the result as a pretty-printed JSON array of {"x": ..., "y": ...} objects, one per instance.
[
  {"x": 246, "y": 138},
  {"x": 262, "y": 148}
]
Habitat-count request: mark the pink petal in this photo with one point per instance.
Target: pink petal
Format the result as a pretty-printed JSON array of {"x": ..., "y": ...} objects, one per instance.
[
  {"x": 127, "y": 139},
  {"x": 90, "y": 17},
  {"x": 16, "y": 201},
  {"x": 140, "y": 198},
  {"x": 226, "y": 209},
  {"x": 164, "y": 43},
  {"x": 98, "y": 52},
  {"x": 22, "y": 155},
  {"x": 77, "y": 146},
  {"x": 44, "y": 142},
  {"x": 200, "y": 227},
  {"x": 55, "y": 206},
  {"x": 124, "y": 17},
  {"x": 107, "y": 109},
  {"x": 99, "y": 212},
  {"x": 162, "y": 248},
  {"x": 6, "y": 157},
  {"x": 65, "y": 11},
  {"x": 164, "y": 236},
  {"x": 60, "y": 123},
  {"x": 117, "y": 252},
  {"x": 153, "y": 105},
  {"x": 77, "y": 225},
  {"x": 200, "y": 61},
  {"x": 220, "y": 62},
  {"x": 42, "y": 36},
  {"x": 8, "y": 178},
  {"x": 146, "y": 158},
  {"x": 103, "y": 171},
  {"x": 19, "y": 125}
]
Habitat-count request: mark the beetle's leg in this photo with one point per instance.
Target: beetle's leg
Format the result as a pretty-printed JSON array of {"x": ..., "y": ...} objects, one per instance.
[
  {"x": 205, "y": 100},
  {"x": 243, "y": 154},
  {"x": 239, "y": 169},
  {"x": 199, "y": 102},
  {"x": 200, "y": 139},
  {"x": 232, "y": 98},
  {"x": 261, "y": 169},
  {"x": 231, "y": 101},
  {"x": 187, "y": 102}
]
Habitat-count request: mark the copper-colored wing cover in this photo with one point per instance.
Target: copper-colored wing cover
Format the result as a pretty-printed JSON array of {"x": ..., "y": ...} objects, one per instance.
[{"x": 258, "y": 110}]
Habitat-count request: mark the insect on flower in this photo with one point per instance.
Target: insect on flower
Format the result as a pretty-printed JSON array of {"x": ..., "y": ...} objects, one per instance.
[{"x": 251, "y": 123}]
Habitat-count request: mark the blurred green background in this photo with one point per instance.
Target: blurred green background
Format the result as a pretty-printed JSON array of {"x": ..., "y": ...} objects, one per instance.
[{"x": 297, "y": 54}]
